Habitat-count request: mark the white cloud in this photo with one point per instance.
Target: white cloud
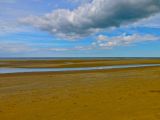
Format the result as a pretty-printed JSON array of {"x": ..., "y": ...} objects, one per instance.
[
  {"x": 152, "y": 22},
  {"x": 8, "y": 1},
  {"x": 7, "y": 27},
  {"x": 79, "y": 1},
  {"x": 58, "y": 49},
  {"x": 93, "y": 17},
  {"x": 106, "y": 42},
  {"x": 101, "y": 42},
  {"x": 15, "y": 47},
  {"x": 122, "y": 40},
  {"x": 77, "y": 48}
]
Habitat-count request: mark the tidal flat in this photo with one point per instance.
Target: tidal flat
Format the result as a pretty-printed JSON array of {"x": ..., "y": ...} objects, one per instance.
[{"x": 116, "y": 94}]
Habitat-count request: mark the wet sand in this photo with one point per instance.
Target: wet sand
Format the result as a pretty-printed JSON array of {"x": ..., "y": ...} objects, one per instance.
[
  {"x": 73, "y": 63},
  {"x": 119, "y": 94}
]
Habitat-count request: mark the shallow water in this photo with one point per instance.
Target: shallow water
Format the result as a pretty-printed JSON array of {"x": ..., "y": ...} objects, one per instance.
[{"x": 23, "y": 70}]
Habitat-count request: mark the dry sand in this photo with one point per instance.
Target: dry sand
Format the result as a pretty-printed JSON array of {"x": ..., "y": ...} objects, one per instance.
[{"x": 119, "y": 94}]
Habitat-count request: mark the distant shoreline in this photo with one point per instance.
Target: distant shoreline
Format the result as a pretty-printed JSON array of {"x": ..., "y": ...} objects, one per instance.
[{"x": 74, "y": 58}]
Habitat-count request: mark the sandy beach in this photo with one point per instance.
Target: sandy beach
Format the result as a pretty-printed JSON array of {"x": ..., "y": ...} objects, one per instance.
[{"x": 118, "y": 94}]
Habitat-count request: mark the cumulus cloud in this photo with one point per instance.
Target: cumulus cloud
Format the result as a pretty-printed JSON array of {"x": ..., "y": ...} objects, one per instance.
[
  {"x": 106, "y": 42},
  {"x": 93, "y": 17},
  {"x": 122, "y": 40}
]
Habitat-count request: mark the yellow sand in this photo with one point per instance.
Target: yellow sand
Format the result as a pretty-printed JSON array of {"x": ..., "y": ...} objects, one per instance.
[{"x": 122, "y": 94}]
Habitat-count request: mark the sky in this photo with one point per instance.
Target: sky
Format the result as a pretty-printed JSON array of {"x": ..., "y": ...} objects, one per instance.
[{"x": 79, "y": 28}]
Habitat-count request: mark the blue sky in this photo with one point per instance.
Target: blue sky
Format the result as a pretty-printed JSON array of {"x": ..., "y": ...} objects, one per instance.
[{"x": 79, "y": 28}]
